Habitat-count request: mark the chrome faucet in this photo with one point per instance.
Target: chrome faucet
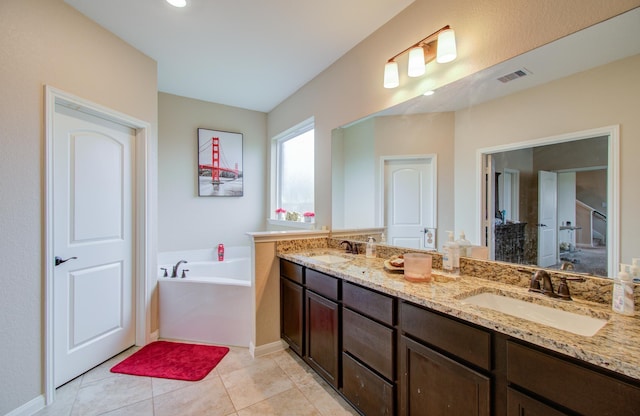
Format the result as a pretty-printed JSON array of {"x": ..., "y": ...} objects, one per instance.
[{"x": 174, "y": 272}]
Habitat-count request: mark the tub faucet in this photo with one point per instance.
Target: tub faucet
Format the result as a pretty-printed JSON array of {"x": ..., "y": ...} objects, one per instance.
[{"x": 174, "y": 272}]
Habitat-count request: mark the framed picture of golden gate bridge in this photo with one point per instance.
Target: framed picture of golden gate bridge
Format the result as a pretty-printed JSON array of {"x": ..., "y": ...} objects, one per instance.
[{"x": 219, "y": 163}]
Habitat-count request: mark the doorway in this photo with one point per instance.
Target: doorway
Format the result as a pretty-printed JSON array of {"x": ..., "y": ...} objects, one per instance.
[
  {"x": 410, "y": 197},
  {"x": 552, "y": 191},
  {"x": 124, "y": 149}
]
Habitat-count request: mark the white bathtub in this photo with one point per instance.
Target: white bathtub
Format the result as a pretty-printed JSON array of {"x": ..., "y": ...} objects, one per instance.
[{"x": 213, "y": 303}]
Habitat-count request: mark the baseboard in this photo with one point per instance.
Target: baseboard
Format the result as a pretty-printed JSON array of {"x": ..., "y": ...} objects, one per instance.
[
  {"x": 29, "y": 408},
  {"x": 265, "y": 349}
]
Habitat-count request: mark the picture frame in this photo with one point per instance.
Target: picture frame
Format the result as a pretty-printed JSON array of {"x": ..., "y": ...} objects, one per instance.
[{"x": 220, "y": 171}]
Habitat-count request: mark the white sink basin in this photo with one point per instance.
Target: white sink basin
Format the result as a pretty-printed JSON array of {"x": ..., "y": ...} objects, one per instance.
[
  {"x": 556, "y": 318},
  {"x": 330, "y": 259}
]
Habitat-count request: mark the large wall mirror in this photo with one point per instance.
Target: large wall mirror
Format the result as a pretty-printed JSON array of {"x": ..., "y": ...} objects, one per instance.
[{"x": 522, "y": 116}]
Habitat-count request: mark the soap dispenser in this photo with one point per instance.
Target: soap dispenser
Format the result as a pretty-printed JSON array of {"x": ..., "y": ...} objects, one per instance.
[
  {"x": 622, "y": 301},
  {"x": 370, "y": 252},
  {"x": 451, "y": 255},
  {"x": 465, "y": 245}
]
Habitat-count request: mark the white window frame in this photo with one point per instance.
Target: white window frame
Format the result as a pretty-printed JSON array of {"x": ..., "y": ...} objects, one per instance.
[{"x": 297, "y": 130}]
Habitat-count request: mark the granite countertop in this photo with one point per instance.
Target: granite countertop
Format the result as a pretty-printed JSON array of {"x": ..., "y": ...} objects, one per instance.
[{"x": 615, "y": 347}]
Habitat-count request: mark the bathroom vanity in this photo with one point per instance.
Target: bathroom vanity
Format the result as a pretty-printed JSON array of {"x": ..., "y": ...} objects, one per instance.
[{"x": 391, "y": 347}]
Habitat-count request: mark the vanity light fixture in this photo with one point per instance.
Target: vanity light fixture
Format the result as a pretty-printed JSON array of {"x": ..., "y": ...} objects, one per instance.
[
  {"x": 421, "y": 53},
  {"x": 177, "y": 3}
]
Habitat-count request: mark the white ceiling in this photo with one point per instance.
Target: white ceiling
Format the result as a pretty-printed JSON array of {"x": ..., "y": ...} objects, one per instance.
[{"x": 244, "y": 53}]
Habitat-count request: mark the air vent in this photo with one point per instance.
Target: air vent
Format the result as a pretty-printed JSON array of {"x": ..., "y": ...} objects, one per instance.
[{"x": 514, "y": 75}]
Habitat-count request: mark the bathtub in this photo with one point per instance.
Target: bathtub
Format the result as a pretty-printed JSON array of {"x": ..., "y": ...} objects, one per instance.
[{"x": 213, "y": 303}]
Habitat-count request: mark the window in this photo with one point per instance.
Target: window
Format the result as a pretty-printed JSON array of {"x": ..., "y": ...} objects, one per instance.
[{"x": 294, "y": 170}]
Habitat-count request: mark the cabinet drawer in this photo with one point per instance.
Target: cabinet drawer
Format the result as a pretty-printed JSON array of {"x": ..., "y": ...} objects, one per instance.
[
  {"x": 292, "y": 271},
  {"x": 519, "y": 404},
  {"x": 466, "y": 342},
  {"x": 568, "y": 384},
  {"x": 322, "y": 284},
  {"x": 371, "y": 342},
  {"x": 372, "y": 304},
  {"x": 367, "y": 391}
]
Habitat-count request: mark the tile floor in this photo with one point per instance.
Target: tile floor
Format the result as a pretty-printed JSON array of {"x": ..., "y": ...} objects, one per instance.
[{"x": 276, "y": 384}]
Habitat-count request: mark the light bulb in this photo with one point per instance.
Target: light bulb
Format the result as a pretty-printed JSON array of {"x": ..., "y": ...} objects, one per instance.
[
  {"x": 446, "y": 46},
  {"x": 416, "y": 62},
  {"x": 177, "y": 3},
  {"x": 391, "y": 77}
]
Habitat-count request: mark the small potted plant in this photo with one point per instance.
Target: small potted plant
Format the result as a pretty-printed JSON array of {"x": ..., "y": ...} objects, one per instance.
[
  {"x": 280, "y": 213},
  {"x": 308, "y": 216}
]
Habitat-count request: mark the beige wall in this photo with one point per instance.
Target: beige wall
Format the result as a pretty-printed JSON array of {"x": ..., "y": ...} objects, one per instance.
[
  {"x": 600, "y": 97},
  {"x": 267, "y": 294},
  {"x": 185, "y": 220},
  {"x": 430, "y": 133},
  {"x": 47, "y": 42},
  {"x": 487, "y": 33},
  {"x": 361, "y": 146}
]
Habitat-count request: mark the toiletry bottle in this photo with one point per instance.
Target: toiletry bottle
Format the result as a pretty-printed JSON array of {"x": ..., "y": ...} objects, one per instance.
[
  {"x": 371, "y": 248},
  {"x": 220, "y": 252},
  {"x": 383, "y": 239},
  {"x": 622, "y": 301},
  {"x": 635, "y": 270},
  {"x": 465, "y": 245},
  {"x": 451, "y": 255}
]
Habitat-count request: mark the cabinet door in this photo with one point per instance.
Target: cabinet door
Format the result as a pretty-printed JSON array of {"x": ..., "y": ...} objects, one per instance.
[
  {"x": 322, "y": 332},
  {"x": 432, "y": 384},
  {"x": 519, "y": 404},
  {"x": 291, "y": 314}
]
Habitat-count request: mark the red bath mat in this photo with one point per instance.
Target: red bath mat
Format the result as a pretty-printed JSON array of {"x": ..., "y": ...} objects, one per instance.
[{"x": 175, "y": 360}]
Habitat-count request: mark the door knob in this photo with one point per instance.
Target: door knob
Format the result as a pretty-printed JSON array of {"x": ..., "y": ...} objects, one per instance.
[{"x": 59, "y": 260}]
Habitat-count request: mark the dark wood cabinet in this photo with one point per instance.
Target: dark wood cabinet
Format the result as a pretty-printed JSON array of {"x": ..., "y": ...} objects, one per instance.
[
  {"x": 568, "y": 384},
  {"x": 468, "y": 343},
  {"x": 388, "y": 356},
  {"x": 322, "y": 348},
  {"x": 369, "y": 344},
  {"x": 432, "y": 384},
  {"x": 519, "y": 404},
  {"x": 292, "y": 305},
  {"x": 444, "y": 365},
  {"x": 367, "y": 391},
  {"x": 292, "y": 314}
]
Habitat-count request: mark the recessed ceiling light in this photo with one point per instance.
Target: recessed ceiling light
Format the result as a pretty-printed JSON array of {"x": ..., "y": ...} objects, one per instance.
[
  {"x": 177, "y": 3},
  {"x": 428, "y": 93}
]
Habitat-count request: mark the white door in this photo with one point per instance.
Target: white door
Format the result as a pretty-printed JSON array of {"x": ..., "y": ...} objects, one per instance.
[
  {"x": 490, "y": 189},
  {"x": 547, "y": 218},
  {"x": 92, "y": 226},
  {"x": 410, "y": 200}
]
